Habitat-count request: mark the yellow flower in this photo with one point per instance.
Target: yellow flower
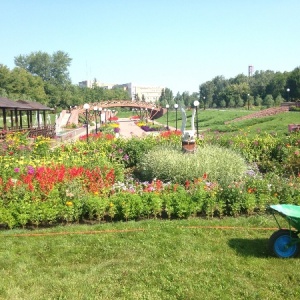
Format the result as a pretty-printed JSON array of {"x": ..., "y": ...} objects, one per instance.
[{"x": 69, "y": 203}]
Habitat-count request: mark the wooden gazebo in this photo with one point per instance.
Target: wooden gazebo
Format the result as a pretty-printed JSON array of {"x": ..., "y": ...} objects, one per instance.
[{"x": 15, "y": 110}]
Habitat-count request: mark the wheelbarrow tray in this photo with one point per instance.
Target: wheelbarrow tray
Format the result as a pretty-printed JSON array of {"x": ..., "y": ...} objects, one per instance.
[{"x": 289, "y": 212}]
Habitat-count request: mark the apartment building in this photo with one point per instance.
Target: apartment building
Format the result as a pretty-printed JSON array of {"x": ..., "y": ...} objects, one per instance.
[
  {"x": 91, "y": 83},
  {"x": 148, "y": 93}
]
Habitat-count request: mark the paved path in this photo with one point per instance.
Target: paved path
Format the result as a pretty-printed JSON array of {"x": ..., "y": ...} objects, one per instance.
[{"x": 128, "y": 129}]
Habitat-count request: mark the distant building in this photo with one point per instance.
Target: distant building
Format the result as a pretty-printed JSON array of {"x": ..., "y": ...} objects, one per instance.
[
  {"x": 148, "y": 93},
  {"x": 91, "y": 83}
]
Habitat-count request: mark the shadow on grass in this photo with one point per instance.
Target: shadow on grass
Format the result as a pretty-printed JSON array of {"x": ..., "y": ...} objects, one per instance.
[{"x": 250, "y": 247}]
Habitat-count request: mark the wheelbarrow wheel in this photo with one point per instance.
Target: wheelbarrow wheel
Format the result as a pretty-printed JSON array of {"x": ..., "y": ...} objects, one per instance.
[{"x": 279, "y": 244}]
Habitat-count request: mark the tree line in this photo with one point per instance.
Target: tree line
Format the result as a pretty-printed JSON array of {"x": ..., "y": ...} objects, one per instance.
[
  {"x": 45, "y": 78},
  {"x": 263, "y": 88}
]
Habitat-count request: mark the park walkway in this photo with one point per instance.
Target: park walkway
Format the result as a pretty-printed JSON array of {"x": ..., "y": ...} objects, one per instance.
[{"x": 128, "y": 129}]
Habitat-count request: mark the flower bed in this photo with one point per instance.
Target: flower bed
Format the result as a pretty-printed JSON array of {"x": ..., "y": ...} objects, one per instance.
[
  {"x": 114, "y": 118},
  {"x": 148, "y": 127},
  {"x": 94, "y": 181},
  {"x": 135, "y": 118}
]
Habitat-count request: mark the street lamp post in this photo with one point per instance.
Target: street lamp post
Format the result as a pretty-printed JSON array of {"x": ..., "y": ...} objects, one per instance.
[
  {"x": 196, "y": 104},
  {"x": 95, "y": 114},
  {"x": 248, "y": 101},
  {"x": 86, "y": 106},
  {"x": 105, "y": 116},
  {"x": 288, "y": 92},
  {"x": 176, "y": 107},
  {"x": 167, "y": 107},
  {"x": 100, "y": 111},
  {"x": 204, "y": 103},
  {"x": 152, "y": 115}
]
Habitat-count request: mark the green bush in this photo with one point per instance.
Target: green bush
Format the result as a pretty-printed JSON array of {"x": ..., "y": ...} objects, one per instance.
[
  {"x": 294, "y": 108},
  {"x": 171, "y": 164}
]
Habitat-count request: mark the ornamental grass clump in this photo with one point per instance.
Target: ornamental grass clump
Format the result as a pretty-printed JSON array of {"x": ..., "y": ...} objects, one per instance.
[{"x": 171, "y": 164}]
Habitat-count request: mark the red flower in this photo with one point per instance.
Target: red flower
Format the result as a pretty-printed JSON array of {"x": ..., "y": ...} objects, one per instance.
[{"x": 187, "y": 184}]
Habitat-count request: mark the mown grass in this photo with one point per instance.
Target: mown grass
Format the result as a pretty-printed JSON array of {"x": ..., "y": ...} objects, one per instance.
[
  {"x": 214, "y": 120},
  {"x": 158, "y": 259}
]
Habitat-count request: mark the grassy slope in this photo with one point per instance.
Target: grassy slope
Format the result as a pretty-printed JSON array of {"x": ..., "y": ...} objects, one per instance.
[
  {"x": 214, "y": 120},
  {"x": 167, "y": 260}
]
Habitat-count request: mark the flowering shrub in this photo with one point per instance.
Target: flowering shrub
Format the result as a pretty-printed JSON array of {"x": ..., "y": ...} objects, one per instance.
[
  {"x": 271, "y": 153},
  {"x": 16, "y": 144},
  {"x": 171, "y": 164}
]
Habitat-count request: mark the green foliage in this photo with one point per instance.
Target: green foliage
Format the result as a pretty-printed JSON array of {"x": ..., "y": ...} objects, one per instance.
[
  {"x": 271, "y": 152},
  {"x": 210, "y": 182},
  {"x": 294, "y": 108},
  {"x": 135, "y": 148},
  {"x": 171, "y": 164},
  {"x": 48, "y": 67}
]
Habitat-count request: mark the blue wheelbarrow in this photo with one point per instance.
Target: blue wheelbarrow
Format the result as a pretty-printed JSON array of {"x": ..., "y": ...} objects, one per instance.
[{"x": 284, "y": 243}]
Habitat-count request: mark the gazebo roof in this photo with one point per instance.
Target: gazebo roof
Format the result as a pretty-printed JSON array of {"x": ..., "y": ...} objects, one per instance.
[
  {"x": 22, "y": 105},
  {"x": 9, "y": 104},
  {"x": 34, "y": 105}
]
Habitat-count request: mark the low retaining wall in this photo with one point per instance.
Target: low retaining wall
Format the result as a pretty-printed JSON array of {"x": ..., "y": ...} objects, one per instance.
[{"x": 70, "y": 134}]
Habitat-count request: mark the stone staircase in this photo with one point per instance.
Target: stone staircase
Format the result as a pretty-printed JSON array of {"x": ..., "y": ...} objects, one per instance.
[{"x": 74, "y": 117}]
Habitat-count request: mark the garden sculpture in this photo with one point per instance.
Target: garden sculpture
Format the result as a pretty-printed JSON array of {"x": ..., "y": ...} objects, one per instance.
[{"x": 188, "y": 136}]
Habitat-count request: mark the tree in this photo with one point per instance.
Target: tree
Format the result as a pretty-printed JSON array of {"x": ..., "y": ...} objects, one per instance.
[
  {"x": 258, "y": 101},
  {"x": 261, "y": 79},
  {"x": 51, "y": 68},
  {"x": 193, "y": 98},
  {"x": 239, "y": 79},
  {"x": 222, "y": 103},
  {"x": 186, "y": 99},
  {"x": 268, "y": 101},
  {"x": 207, "y": 91},
  {"x": 220, "y": 85},
  {"x": 293, "y": 83},
  {"x": 178, "y": 98},
  {"x": 231, "y": 102},
  {"x": 20, "y": 84},
  {"x": 250, "y": 100},
  {"x": 4, "y": 77},
  {"x": 277, "y": 84},
  {"x": 239, "y": 102},
  {"x": 278, "y": 100},
  {"x": 166, "y": 97}
]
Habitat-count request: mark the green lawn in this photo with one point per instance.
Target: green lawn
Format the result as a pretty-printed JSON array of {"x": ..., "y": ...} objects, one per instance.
[
  {"x": 154, "y": 259},
  {"x": 214, "y": 120}
]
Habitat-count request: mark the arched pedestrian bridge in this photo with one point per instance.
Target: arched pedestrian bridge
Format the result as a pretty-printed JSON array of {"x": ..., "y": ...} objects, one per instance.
[{"x": 150, "y": 110}]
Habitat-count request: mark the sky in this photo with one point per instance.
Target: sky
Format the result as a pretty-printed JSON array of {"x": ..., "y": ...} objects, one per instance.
[{"x": 176, "y": 44}]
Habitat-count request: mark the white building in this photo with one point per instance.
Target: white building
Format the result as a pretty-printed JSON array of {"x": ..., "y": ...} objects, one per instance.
[
  {"x": 91, "y": 83},
  {"x": 148, "y": 93}
]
